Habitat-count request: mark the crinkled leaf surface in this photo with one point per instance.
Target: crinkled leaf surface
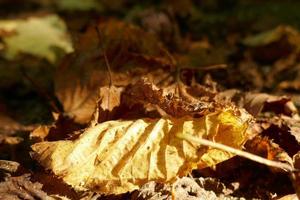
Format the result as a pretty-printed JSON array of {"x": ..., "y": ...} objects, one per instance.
[
  {"x": 119, "y": 156},
  {"x": 38, "y": 36}
]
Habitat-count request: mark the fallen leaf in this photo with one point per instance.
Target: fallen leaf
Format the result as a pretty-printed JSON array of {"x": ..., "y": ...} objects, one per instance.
[
  {"x": 9, "y": 166},
  {"x": 110, "y": 100},
  {"x": 22, "y": 188},
  {"x": 119, "y": 156},
  {"x": 273, "y": 44},
  {"x": 267, "y": 149},
  {"x": 284, "y": 131},
  {"x": 255, "y": 103},
  {"x": 184, "y": 188},
  {"x": 131, "y": 53},
  {"x": 43, "y": 37},
  {"x": 145, "y": 92},
  {"x": 63, "y": 128}
]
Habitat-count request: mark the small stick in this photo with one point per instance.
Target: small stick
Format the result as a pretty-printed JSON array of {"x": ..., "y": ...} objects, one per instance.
[
  {"x": 207, "y": 68},
  {"x": 238, "y": 152},
  {"x": 100, "y": 35}
]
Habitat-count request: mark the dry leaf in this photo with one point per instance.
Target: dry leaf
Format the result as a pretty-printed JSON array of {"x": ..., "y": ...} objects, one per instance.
[
  {"x": 110, "y": 100},
  {"x": 277, "y": 43},
  {"x": 145, "y": 92},
  {"x": 22, "y": 188},
  {"x": 184, "y": 188},
  {"x": 119, "y": 156},
  {"x": 63, "y": 127},
  {"x": 9, "y": 166},
  {"x": 282, "y": 130},
  {"x": 131, "y": 53},
  {"x": 255, "y": 103},
  {"x": 267, "y": 149}
]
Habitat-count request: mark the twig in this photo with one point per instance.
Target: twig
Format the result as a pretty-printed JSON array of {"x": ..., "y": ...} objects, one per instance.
[
  {"x": 100, "y": 35},
  {"x": 207, "y": 68},
  {"x": 238, "y": 152},
  {"x": 100, "y": 44}
]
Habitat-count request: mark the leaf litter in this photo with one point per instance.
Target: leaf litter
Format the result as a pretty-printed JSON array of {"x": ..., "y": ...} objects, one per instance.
[{"x": 145, "y": 128}]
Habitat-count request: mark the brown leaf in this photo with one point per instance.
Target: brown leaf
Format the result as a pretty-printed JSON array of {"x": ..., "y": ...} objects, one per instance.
[
  {"x": 110, "y": 101},
  {"x": 283, "y": 131},
  {"x": 273, "y": 44},
  {"x": 9, "y": 126},
  {"x": 146, "y": 92},
  {"x": 9, "y": 166},
  {"x": 22, "y": 188},
  {"x": 267, "y": 149},
  {"x": 131, "y": 53},
  {"x": 63, "y": 127},
  {"x": 119, "y": 156}
]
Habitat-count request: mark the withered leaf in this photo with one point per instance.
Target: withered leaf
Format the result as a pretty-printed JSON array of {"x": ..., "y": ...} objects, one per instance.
[
  {"x": 9, "y": 166},
  {"x": 110, "y": 100},
  {"x": 128, "y": 51},
  {"x": 284, "y": 131},
  {"x": 22, "y": 188},
  {"x": 146, "y": 92},
  {"x": 184, "y": 188},
  {"x": 263, "y": 147},
  {"x": 119, "y": 156}
]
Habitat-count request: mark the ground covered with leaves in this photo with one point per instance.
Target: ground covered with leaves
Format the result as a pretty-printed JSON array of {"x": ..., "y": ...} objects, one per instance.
[{"x": 149, "y": 100}]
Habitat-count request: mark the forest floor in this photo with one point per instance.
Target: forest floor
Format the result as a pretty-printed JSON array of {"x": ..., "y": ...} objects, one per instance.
[{"x": 86, "y": 86}]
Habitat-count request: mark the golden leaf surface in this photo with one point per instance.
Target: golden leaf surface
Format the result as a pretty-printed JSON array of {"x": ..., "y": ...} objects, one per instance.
[{"x": 120, "y": 156}]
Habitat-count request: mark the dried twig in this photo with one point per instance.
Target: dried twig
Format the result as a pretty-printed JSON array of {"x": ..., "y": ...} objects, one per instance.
[
  {"x": 238, "y": 152},
  {"x": 286, "y": 167}
]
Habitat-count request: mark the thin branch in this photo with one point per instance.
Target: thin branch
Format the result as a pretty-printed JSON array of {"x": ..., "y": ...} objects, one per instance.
[
  {"x": 238, "y": 152},
  {"x": 100, "y": 44},
  {"x": 207, "y": 68}
]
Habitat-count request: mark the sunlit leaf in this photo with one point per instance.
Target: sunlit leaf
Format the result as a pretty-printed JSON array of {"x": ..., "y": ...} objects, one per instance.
[{"x": 119, "y": 156}]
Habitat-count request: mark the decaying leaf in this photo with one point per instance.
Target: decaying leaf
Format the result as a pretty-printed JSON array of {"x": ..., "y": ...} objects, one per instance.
[
  {"x": 22, "y": 188},
  {"x": 274, "y": 44},
  {"x": 9, "y": 166},
  {"x": 128, "y": 51},
  {"x": 184, "y": 188},
  {"x": 110, "y": 100},
  {"x": 62, "y": 128},
  {"x": 146, "y": 92},
  {"x": 267, "y": 149},
  {"x": 37, "y": 36},
  {"x": 119, "y": 156},
  {"x": 284, "y": 131},
  {"x": 255, "y": 103}
]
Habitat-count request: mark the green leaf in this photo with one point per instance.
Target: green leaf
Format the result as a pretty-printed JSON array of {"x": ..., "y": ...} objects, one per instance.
[{"x": 43, "y": 37}]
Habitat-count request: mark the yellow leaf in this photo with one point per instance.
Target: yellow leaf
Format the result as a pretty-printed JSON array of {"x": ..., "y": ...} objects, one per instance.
[
  {"x": 37, "y": 36},
  {"x": 119, "y": 156}
]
